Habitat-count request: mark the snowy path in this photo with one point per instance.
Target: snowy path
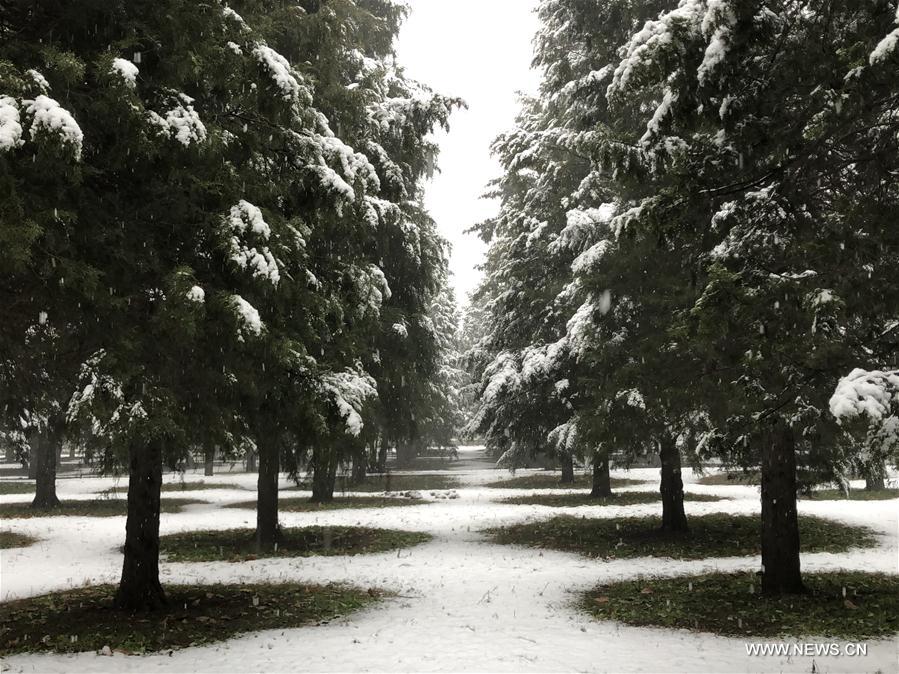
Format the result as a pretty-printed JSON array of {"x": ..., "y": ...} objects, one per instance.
[{"x": 465, "y": 605}]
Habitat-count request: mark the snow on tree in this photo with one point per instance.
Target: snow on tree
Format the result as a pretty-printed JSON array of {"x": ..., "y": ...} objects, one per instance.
[
  {"x": 679, "y": 219},
  {"x": 407, "y": 363},
  {"x": 553, "y": 227},
  {"x": 10, "y": 124},
  {"x": 216, "y": 258},
  {"x": 349, "y": 391},
  {"x": 41, "y": 146},
  {"x": 770, "y": 139},
  {"x": 870, "y": 394},
  {"x": 524, "y": 276},
  {"x": 866, "y": 405},
  {"x": 126, "y": 70}
]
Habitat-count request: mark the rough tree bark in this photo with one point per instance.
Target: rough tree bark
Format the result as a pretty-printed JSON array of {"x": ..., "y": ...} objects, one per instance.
[
  {"x": 360, "y": 466},
  {"x": 567, "y": 469},
  {"x": 674, "y": 518},
  {"x": 267, "y": 496},
  {"x": 602, "y": 481},
  {"x": 780, "y": 522},
  {"x": 139, "y": 588},
  {"x": 44, "y": 456},
  {"x": 209, "y": 460},
  {"x": 875, "y": 477},
  {"x": 324, "y": 473}
]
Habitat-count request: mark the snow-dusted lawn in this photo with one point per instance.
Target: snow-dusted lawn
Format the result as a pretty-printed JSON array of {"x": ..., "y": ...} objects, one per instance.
[{"x": 465, "y": 604}]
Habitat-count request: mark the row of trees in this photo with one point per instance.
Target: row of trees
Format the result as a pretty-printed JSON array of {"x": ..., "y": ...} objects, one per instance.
[
  {"x": 212, "y": 239},
  {"x": 696, "y": 242}
]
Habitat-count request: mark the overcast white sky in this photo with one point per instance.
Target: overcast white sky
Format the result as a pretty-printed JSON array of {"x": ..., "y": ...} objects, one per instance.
[{"x": 479, "y": 50}]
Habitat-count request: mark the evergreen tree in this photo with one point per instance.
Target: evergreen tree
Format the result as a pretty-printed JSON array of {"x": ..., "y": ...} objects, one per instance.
[
  {"x": 628, "y": 397},
  {"x": 768, "y": 154},
  {"x": 209, "y": 232},
  {"x": 521, "y": 365},
  {"x": 388, "y": 118},
  {"x": 549, "y": 235},
  {"x": 43, "y": 284}
]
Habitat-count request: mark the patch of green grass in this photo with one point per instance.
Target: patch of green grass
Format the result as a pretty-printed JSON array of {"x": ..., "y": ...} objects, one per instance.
[
  {"x": 724, "y": 604},
  {"x": 180, "y": 487},
  {"x": 101, "y": 507},
  {"x": 730, "y": 479},
  {"x": 551, "y": 481},
  {"x": 623, "y": 498},
  {"x": 854, "y": 495},
  {"x": 84, "y": 620},
  {"x": 389, "y": 482},
  {"x": 304, "y": 505},
  {"x": 10, "y": 539},
  {"x": 716, "y": 535},
  {"x": 236, "y": 545},
  {"x": 16, "y": 487}
]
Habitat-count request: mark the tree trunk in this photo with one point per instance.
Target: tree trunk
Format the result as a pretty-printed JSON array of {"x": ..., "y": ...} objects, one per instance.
[
  {"x": 332, "y": 471},
  {"x": 267, "y": 496},
  {"x": 672, "y": 486},
  {"x": 875, "y": 483},
  {"x": 209, "y": 461},
  {"x": 44, "y": 455},
  {"x": 139, "y": 589},
  {"x": 324, "y": 473},
  {"x": 405, "y": 453},
  {"x": 251, "y": 461},
  {"x": 567, "y": 469},
  {"x": 875, "y": 477},
  {"x": 780, "y": 521},
  {"x": 382, "y": 454},
  {"x": 360, "y": 466},
  {"x": 602, "y": 481}
]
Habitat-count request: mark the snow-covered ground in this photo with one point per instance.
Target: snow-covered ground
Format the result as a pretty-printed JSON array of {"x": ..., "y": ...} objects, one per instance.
[{"x": 463, "y": 604}]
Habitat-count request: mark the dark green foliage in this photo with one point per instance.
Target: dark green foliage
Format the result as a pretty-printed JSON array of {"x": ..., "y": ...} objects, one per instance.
[
  {"x": 540, "y": 391},
  {"x": 202, "y": 255},
  {"x": 696, "y": 242}
]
